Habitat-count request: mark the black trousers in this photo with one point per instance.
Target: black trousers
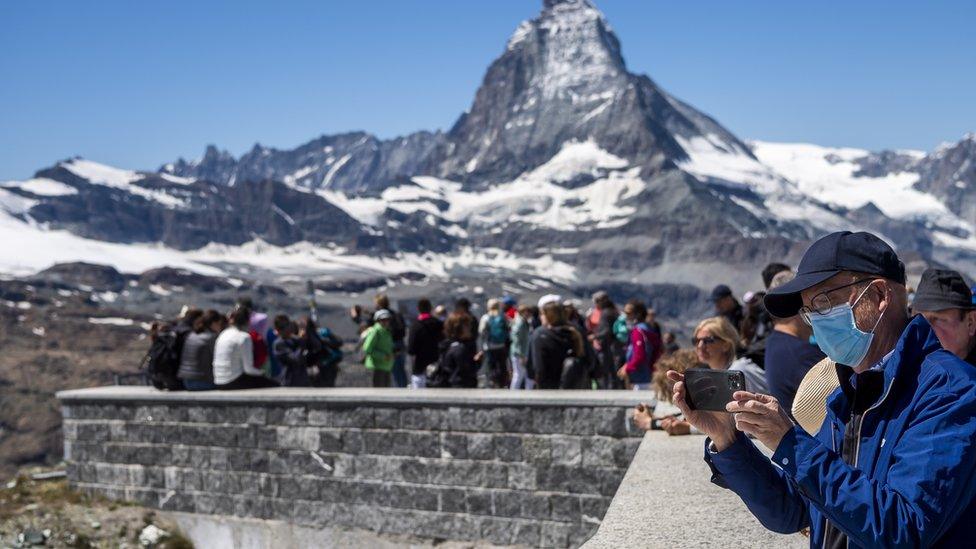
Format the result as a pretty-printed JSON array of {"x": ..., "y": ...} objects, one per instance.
[{"x": 245, "y": 381}]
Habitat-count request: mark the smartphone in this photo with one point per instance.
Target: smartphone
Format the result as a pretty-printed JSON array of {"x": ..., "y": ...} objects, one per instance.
[{"x": 708, "y": 389}]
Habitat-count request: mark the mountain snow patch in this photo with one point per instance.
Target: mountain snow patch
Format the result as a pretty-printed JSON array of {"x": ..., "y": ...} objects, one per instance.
[
  {"x": 42, "y": 186},
  {"x": 827, "y": 174},
  {"x": 100, "y": 174}
]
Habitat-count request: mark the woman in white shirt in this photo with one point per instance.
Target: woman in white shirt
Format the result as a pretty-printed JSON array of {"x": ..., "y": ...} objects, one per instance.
[{"x": 233, "y": 363}]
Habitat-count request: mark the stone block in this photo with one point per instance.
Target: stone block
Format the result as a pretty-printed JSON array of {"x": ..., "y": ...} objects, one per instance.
[
  {"x": 594, "y": 507},
  {"x": 507, "y": 503},
  {"x": 386, "y": 418},
  {"x": 219, "y": 459},
  {"x": 180, "y": 455},
  {"x": 565, "y": 507},
  {"x": 409, "y": 470},
  {"x": 453, "y": 446},
  {"x": 424, "y": 419},
  {"x": 297, "y": 487},
  {"x": 199, "y": 414},
  {"x": 409, "y": 496},
  {"x": 199, "y": 457},
  {"x": 298, "y": 438},
  {"x": 613, "y": 422},
  {"x": 154, "y": 477},
  {"x": 353, "y": 441},
  {"x": 266, "y": 438},
  {"x": 526, "y": 534},
  {"x": 69, "y": 428},
  {"x": 554, "y": 534},
  {"x": 468, "y": 473},
  {"x": 480, "y": 446},
  {"x": 609, "y": 481},
  {"x": 330, "y": 440},
  {"x": 452, "y": 500},
  {"x": 546, "y": 421},
  {"x": 508, "y": 448},
  {"x": 287, "y": 415},
  {"x": 521, "y": 476},
  {"x": 566, "y": 450},
  {"x": 534, "y": 506},
  {"x": 537, "y": 449},
  {"x": 580, "y": 421},
  {"x": 478, "y": 502},
  {"x": 599, "y": 451},
  {"x": 221, "y": 482},
  {"x": 498, "y": 531},
  {"x": 624, "y": 451},
  {"x": 344, "y": 465}
]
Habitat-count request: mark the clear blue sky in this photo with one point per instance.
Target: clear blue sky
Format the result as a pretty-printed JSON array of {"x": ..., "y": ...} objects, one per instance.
[{"x": 137, "y": 84}]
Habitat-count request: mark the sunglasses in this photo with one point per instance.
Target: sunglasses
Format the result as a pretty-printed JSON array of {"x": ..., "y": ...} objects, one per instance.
[{"x": 706, "y": 340}]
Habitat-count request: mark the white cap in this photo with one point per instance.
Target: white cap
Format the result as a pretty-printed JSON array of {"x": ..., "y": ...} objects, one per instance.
[
  {"x": 549, "y": 298},
  {"x": 381, "y": 314}
]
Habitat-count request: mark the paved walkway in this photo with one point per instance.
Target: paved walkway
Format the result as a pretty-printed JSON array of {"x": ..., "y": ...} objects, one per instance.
[{"x": 666, "y": 500}]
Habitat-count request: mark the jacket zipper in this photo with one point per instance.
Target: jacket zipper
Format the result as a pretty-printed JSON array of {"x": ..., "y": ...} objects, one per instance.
[
  {"x": 857, "y": 449},
  {"x": 833, "y": 447}
]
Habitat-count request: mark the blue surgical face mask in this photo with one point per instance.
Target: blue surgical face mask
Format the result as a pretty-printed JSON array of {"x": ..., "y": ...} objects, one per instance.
[{"x": 839, "y": 337}]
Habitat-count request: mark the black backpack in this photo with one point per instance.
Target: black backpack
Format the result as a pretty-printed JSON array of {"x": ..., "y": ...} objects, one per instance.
[{"x": 162, "y": 362}]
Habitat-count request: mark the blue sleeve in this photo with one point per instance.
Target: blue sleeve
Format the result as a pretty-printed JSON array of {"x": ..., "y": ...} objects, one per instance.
[
  {"x": 929, "y": 484},
  {"x": 765, "y": 490}
]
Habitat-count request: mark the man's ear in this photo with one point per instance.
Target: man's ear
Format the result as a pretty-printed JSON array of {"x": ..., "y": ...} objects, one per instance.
[
  {"x": 886, "y": 293},
  {"x": 971, "y": 323}
]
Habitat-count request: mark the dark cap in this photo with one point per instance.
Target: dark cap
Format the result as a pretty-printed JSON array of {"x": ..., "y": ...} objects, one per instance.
[
  {"x": 837, "y": 252},
  {"x": 720, "y": 291},
  {"x": 942, "y": 289}
]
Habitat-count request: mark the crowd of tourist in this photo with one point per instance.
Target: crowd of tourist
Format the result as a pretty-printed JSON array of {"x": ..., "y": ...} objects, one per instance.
[
  {"x": 548, "y": 344},
  {"x": 206, "y": 350}
]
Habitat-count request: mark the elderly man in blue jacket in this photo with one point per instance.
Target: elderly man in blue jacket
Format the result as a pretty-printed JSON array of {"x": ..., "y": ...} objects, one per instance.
[{"x": 894, "y": 463}]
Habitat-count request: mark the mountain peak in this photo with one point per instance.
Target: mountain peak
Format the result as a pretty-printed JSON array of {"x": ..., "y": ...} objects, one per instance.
[{"x": 551, "y": 4}]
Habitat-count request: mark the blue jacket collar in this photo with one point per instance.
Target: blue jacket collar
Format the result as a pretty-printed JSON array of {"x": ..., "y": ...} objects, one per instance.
[{"x": 917, "y": 341}]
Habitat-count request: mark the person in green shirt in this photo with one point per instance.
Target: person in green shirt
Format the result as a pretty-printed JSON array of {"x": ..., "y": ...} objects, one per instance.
[{"x": 378, "y": 348}]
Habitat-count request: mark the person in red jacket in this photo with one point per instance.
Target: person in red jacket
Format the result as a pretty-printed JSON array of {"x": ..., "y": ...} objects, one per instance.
[{"x": 643, "y": 350}]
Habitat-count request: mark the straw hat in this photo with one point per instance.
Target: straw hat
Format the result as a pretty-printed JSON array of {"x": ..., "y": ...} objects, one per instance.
[{"x": 810, "y": 402}]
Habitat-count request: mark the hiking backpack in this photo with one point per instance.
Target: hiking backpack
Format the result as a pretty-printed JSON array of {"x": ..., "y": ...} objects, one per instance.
[
  {"x": 620, "y": 329},
  {"x": 497, "y": 330},
  {"x": 162, "y": 361}
]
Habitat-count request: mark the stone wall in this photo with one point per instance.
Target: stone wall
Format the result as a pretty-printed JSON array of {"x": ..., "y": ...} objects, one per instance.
[{"x": 526, "y": 468}]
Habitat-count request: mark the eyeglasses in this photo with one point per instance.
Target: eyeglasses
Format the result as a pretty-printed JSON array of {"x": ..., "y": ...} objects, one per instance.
[
  {"x": 821, "y": 304},
  {"x": 706, "y": 340}
]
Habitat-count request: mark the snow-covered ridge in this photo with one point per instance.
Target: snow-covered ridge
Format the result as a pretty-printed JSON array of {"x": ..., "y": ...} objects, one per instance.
[
  {"x": 41, "y": 186},
  {"x": 536, "y": 197},
  {"x": 828, "y": 174},
  {"x": 101, "y": 174}
]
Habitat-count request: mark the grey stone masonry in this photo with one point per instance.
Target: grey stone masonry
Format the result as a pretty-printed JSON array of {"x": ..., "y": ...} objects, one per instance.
[{"x": 533, "y": 468}]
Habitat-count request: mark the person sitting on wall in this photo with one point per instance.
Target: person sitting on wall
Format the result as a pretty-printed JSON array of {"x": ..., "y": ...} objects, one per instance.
[{"x": 234, "y": 356}]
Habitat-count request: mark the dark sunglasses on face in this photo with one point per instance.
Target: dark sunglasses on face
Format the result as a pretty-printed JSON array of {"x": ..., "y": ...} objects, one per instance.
[{"x": 706, "y": 340}]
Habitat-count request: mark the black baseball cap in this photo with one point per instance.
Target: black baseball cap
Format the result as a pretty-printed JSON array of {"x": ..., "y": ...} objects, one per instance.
[
  {"x": 942, "y": 289},
  {"x": 859, "y": 252},
  {"x": 720, "y": 291}
]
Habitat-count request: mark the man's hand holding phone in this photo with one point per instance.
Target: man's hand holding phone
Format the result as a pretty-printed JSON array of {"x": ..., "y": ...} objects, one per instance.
[
  {"x": 717, "y": 425},
  {"x": 760, "y": 416}
]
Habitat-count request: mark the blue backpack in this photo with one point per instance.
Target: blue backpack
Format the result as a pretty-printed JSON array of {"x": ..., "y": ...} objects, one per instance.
[{"x": 497, "y": 330}]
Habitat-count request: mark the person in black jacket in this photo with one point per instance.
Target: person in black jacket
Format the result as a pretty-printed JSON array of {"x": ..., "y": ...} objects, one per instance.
[
  {"x": 609, "y": 349},
  {"x": 290, "y": 353},
  {"x": 457, "y": 367},
  {"x": 423, "y": 345},
  {"x": 551, "y": 346}
]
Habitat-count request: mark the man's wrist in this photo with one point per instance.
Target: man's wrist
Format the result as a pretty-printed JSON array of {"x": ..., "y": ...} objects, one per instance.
[{"x": 723, "y": 441}]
